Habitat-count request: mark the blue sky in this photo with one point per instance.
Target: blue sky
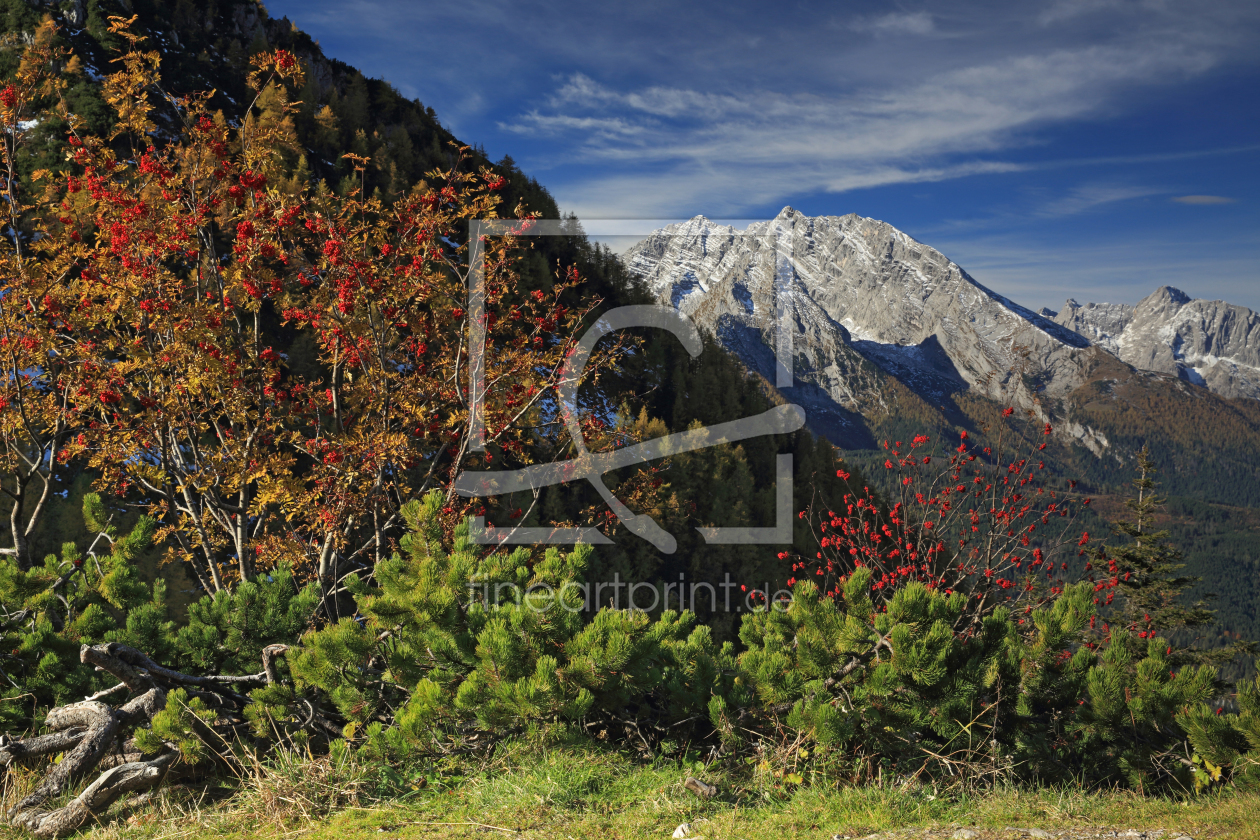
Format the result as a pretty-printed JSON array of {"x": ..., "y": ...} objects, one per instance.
[{"x": 1093, "y": 149}]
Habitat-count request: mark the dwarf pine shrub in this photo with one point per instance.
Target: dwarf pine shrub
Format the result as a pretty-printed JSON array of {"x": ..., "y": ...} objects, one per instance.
[
  {"x": 447, "y": 637},
  {"x": 81, "y": 596}
]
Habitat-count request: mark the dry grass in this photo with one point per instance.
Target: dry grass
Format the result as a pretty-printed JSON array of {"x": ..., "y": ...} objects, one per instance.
[
  {"x": 18, "y": 781},
  {"x": 287, "y": 788},
  {"x": 292, "y": 787}
]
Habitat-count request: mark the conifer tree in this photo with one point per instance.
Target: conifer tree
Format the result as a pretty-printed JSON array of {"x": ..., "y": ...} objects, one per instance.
[{"x": 1146, "y": 571}]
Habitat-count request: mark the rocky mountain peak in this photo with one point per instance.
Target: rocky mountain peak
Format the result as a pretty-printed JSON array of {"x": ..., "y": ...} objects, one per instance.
[
  {"x": 1171, "y": 294},
  {"x": 1206, "y": 342},
  {"x": 1165, "y": 300},
  {"x": 862, "y": 300}
]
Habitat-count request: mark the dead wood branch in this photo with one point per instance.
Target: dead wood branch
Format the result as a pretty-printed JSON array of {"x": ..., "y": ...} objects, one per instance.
[{"x": 92, "y": 734}]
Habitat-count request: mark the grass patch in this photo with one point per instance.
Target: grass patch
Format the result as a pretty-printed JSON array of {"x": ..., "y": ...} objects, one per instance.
[{"x": 588, "y": 792}]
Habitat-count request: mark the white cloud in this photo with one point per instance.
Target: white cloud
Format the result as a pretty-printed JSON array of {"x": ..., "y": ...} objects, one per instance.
[
  {"x": 603, "y": 128},
  {"x": 1062, "y": 10},
  {"x": 864, "y": 112},
  {"x": 896, "y": 23},
  {"x": 581, "y": 89},
  {"x": 1082, "y": 199},
  {"x": 728, "y": 191}
]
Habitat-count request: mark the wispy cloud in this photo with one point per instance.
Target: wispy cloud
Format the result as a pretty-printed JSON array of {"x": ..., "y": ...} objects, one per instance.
[
  {"x": 823, "y": 103},
  {"x": 730, "y": 191},
  {"x": 1062, "y": 10},
  {"x": 1204, "y": 199},
  {"x": 812, "y": 142},
  {"x": 896, "y": 23},
  {"x": 595, "y": 128},
  {"x": 1088, "y": 197},
  {"x": 584, "y": 92}
]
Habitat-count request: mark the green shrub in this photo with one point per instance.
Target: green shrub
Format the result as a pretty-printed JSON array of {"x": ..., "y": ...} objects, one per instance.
[
  {"x": 227, "y": 631},
  {"x": 437, "y": 645},
  {"x": 52, "y": 609}
]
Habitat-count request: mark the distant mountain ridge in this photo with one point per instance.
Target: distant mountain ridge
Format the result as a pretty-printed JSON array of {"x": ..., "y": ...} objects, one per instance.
[
  {"x": 866, "y": 302},
  {"x": 1206, "y": 342}
]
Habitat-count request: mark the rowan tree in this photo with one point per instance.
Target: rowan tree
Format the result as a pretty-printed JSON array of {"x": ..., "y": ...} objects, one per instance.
[
  {"x": 982, "y": 519},
  {"x": 40, "y": 364},
  {"x": 178, "y": 404},
  {"x": 181, "y": 255}
]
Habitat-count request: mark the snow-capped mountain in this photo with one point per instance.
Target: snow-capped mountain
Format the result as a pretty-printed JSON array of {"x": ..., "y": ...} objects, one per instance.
[
  {"x": 863, "y": 301},
  {"x": 1207, "y": 342}
]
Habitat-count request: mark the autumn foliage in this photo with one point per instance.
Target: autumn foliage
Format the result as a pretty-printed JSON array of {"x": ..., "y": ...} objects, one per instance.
[{"x": 144, "y": 294}]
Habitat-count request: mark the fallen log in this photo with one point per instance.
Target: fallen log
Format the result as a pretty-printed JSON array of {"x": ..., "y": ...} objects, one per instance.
[{"x": 53, "y": 742}]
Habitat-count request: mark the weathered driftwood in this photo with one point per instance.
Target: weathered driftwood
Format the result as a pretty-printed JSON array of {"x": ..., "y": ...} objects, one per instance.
[{"x": 91, "y": 731}]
